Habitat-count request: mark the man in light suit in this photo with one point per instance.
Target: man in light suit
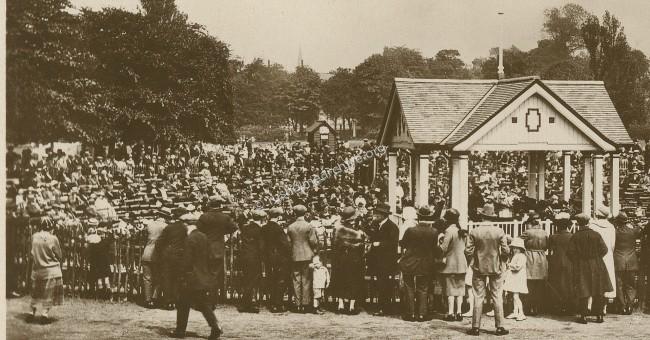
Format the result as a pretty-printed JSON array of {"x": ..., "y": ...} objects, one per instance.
[
  {"x": 304, "y": 244},
  {"x": 487, "y": 246}
]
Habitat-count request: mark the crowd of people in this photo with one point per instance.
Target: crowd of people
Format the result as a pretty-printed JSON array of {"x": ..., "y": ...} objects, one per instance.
[{"x": 320, "y": 242}]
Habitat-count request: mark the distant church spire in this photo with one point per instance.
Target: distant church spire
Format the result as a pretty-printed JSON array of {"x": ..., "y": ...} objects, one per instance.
[{"x": 300, "y": 61}]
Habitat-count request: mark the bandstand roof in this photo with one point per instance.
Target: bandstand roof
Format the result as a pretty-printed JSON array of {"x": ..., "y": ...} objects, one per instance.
[{"x": 454, "y": 114}]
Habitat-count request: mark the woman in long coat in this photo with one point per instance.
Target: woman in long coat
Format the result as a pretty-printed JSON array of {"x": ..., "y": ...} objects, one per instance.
[
  {"x": 586, "y": 250},
  {"x": 607, "y": 231},
  {"x": 625, "y": 261},
  {"x": 47, "y": 279},
  {"x": 536, "y": 242},
  {"x": 453, "y": 249},
  {"x": 347, "y": 281},
  {"x": 560, "y": 268}
]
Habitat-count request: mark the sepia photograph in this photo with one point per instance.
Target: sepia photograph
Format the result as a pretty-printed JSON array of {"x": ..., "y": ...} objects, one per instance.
[{"x": 325, "y": 169}]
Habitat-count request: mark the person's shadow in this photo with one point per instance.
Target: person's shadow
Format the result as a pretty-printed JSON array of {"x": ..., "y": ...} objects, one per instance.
[
  {"x": 36, "y": 320},
  {"x": 165, "y": 332}
]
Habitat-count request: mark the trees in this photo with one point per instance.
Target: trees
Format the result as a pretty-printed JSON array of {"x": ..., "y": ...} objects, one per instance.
[
  {"x": 260, "y": 93},
  {"x": 303, "y": 96},
  {"x": 49, "y": 95},
  {"x": 447, "y": 64},
  {"x": 625, "y": 71},
  {"x": 337, "y": 95},
  {"x": 112, "y": 75}
]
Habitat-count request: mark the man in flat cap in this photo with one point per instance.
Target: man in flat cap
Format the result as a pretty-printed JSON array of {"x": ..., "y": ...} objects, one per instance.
[
  {"x": 304, "y": 243},
  {"x": 196, "y": 279},
  {"x": 487, "y": 246},
  {"x": 251, "y": 253},
  {"x": 560, "y": 267},
  {"x": 586, "y": 250},
  {"x": 215, "y": 225},
  {"x": 277, "y": 259}
]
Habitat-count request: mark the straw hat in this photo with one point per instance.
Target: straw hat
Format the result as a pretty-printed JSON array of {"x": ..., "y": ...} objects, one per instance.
[{"x": 518, "y": 243}]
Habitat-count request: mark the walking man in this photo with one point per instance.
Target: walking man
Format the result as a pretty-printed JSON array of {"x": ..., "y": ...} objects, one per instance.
[
  {"x": 487, "y": 246},
  {"x": 304, "y": 244},
  {"x": 196, "y": 280}
]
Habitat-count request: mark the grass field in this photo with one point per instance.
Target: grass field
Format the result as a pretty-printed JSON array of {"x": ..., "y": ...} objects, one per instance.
[{"x": 87, "y": 319}]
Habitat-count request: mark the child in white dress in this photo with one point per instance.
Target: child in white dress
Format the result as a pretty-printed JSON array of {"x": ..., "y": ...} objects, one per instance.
[
  {"x": 321, "y": 280},
  {"x": 515, "y": 281}
]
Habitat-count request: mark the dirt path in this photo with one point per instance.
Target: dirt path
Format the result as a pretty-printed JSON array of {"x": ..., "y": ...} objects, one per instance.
[{"x": 85, "y": 319}]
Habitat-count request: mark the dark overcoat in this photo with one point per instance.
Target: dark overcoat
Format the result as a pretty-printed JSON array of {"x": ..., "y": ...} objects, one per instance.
[
  {"x": 421, "y": 244},
  {"x": 196, "y": 269},
  {"x": 382, "y": 259},
  {"x": 560, "y": 267},
  {"x": 586, "y": 250}
]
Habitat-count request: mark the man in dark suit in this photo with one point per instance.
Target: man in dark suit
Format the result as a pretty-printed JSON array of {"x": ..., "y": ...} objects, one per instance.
[
  {"x": 215, "y": 225},
  {"x": 195, "y": 282},
  {"x": 251, "y": 252},
  {"x": 421, "y": 248},
  {"x": 304, "y": 243},
  {"x": 169, "y": 250},
  {"x": 382, "y": 258},
  {"x": 277, "y": 260}
]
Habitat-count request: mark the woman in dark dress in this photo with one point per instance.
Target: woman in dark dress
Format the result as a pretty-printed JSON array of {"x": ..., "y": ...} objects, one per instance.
[
  {"x": 586, "y": 250},
  {"x": 560, "y": 269},
  {"x": 98, "y": 247},
  {"x": 347, "y": 261}
]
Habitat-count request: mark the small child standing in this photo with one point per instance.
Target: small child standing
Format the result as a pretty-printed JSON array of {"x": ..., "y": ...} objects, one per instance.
[
  {"x": 321, "y": 280},
  {"x": 515, "y": 281}
]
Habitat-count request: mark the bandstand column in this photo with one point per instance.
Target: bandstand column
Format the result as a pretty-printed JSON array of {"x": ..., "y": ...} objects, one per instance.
[
  {"x": 598, "y": 181},
  {"x": 415, "y": 175},
  {"x": 532, "y": 173},
  {"x": 541, "y": 175},
  {"x": 423, "y": 180},
  {"x": 566, "y": 157},
  {"x": 410, "y": 175},
  {"x": 614, "y": 204},
  {"x": 586, "y": 185},
  {"x": 460, "y": 185},
  {"x": 392, "y": 179}
]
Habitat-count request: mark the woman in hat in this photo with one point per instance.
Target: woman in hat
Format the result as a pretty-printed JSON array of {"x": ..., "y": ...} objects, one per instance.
[
  {"x": 586, "y": 250},
  {"x": 625, "y": 261},
  {"x": 98, "y": 254},
  {"x": 453, "y": 249},
  {"x": 347, "y": 261},
  {"x": 606, "y": 229},
  {"x": 560, "y": 268},
  {"x": 47, "y": 279},
  {"x": 537, "y": 265},
  {"x": 515, "y": 278}
]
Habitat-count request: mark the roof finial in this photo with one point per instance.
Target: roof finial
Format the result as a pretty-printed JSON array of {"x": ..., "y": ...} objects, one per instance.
[{"x": 500, "y": 71}]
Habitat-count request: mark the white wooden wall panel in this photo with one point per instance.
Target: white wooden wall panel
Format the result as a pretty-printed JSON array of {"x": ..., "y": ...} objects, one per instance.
[{"x": 560, "y": 135}]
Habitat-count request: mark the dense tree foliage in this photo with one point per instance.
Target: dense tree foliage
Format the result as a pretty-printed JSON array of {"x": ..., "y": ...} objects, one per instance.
[{"x": 108, "y": 75}]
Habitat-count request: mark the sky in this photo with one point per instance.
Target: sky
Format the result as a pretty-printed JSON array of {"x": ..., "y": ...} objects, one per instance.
[{"x": 342, "y": 33}]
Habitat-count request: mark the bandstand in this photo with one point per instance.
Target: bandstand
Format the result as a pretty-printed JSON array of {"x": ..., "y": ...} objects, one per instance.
[{"x": 520, "y": 114}]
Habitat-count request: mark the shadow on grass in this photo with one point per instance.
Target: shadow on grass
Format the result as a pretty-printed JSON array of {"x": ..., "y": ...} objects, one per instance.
[
  {"x": 166, "y": 332},
  {"x": 35, "y": 320}
]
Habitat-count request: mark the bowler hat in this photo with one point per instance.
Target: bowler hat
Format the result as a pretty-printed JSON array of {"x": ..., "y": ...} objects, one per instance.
[
  {"x": 425, "y": 213},
  {"x": 383, "y": 208},
  {"x": 451, "y": 214}
]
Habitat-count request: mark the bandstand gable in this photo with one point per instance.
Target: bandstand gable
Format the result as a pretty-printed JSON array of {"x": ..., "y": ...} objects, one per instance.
[
  {"x": 534, "y": 125},
  {"x": 511, "y": 114}
]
